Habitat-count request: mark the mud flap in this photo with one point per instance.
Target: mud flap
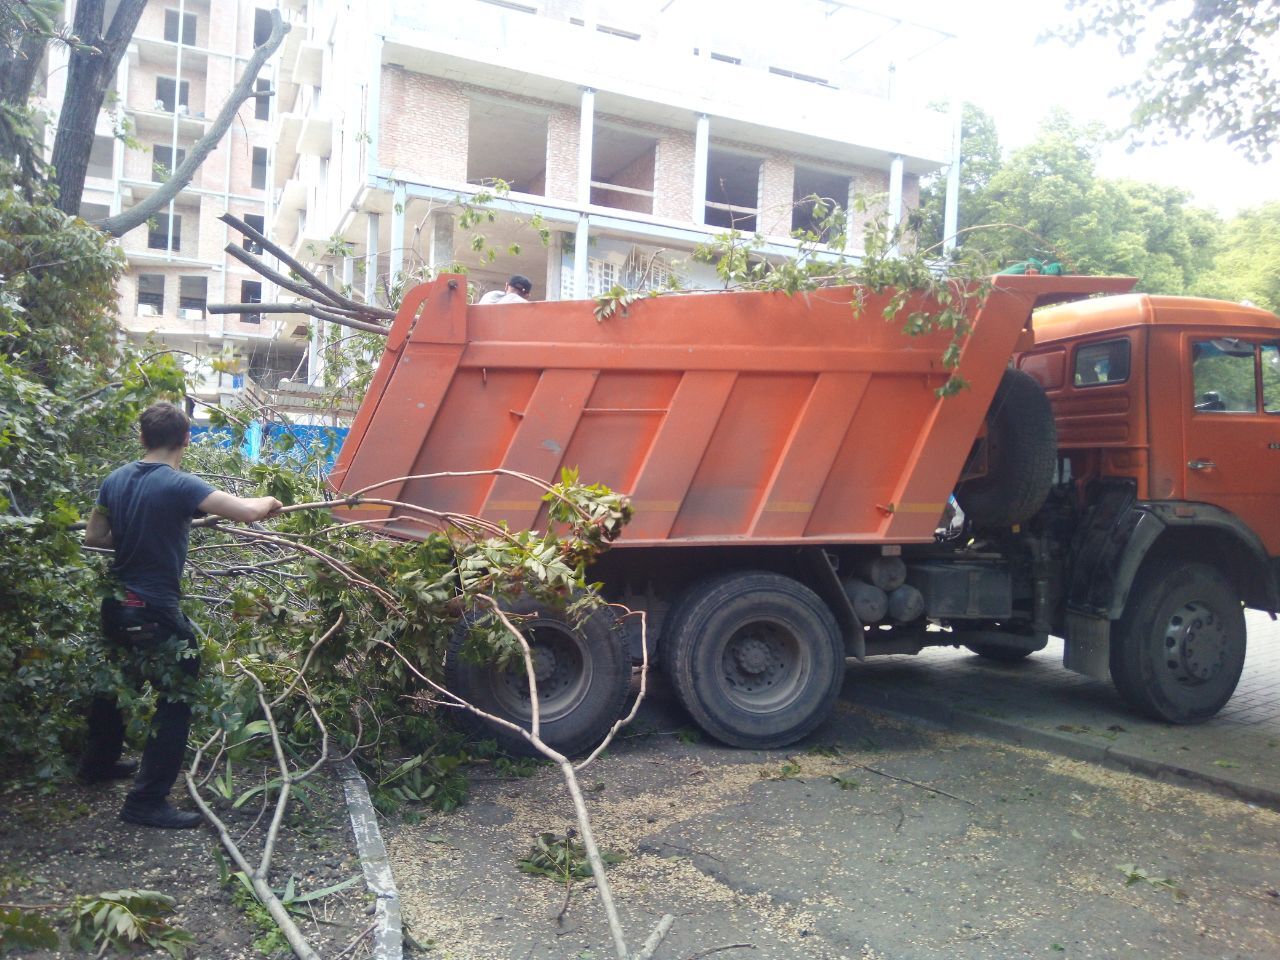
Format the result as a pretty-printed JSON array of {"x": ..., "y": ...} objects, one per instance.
[{"x": 1088, "y": 646}]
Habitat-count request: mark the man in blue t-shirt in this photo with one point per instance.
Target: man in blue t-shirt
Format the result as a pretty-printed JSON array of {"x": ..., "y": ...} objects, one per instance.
[{"x": 144, "y": 514}]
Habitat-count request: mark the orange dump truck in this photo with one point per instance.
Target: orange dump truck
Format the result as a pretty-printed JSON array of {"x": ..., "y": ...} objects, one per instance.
[{"x": 803, "y": 496}]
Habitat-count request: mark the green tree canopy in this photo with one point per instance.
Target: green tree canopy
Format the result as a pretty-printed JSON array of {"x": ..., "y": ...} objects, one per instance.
[
  {"x": 1248, "y": 266},
  {"x": 1048, "y": 201}
]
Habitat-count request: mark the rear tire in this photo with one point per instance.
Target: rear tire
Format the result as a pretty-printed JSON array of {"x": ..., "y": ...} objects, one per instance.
[
  {"x": 1022, "y": 452},
  {"x": 756, "y": 658},
  {"x": 1178, "y": 650},
  {"x": 583, "y": 670}
]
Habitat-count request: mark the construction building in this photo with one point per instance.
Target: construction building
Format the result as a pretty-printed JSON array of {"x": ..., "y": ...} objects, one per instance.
[{"x": 587, "y": 144}]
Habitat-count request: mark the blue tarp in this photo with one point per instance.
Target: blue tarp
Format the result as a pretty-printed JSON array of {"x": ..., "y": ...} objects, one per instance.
[{"x": 269, "y": 442}]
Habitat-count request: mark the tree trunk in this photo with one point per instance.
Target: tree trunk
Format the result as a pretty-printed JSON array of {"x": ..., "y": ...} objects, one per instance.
[{"x": 88, "y": 75}]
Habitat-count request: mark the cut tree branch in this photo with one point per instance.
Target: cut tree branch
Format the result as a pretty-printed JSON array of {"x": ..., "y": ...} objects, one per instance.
[
  {"x": 309, "y": 309},
  {"x": 326, "y": 292}
]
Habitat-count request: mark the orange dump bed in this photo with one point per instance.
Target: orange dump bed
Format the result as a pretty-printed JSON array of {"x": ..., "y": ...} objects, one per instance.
[{"x": 727, "y": 417}]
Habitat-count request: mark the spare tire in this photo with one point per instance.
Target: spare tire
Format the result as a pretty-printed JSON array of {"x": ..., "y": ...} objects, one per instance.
[{"x": 1022, "y": 451}]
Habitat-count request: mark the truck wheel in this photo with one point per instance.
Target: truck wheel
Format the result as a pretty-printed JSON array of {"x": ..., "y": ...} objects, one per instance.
[
  {"x": 756, "y": 658},
  {"x": 1022, "y": 451},
  {"x": 1177, "y": 652},
  {"x": 583, "y": 671}
]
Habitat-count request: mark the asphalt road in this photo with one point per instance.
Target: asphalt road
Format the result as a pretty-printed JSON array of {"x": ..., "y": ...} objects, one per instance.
[{"x": 877, "y": 838}]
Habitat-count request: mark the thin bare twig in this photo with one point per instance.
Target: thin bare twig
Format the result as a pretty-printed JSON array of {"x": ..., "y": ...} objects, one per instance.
[{"x": 915, "y": 783}]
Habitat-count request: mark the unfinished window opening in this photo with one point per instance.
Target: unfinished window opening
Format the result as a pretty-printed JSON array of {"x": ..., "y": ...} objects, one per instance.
[
  {"x": 725, "y": 58},
  {"x": 163, "y": 162},
  {"x": 507, "y": 142},
  {"x": 781, "y": 72},
  {"x": 602, "y": 28},
  {"x": 262, "y": 99},
  {"x": 832, "y": 189},
  {"x": 172, "y": 96},
  {"x": 193, "y": 295},
  {"x": 258, "y": 176},
  {"x": 622, "y": 165},
  {"x": 180, "y": 29},
  {"x": 259, "y": 223},
  {"x": 617, "y": 32},
  {"x": 101, "y": 157},
  {"x": 250, "y": 292},
  {"x": 508, "y": 5},
  {"x": 158, "y": 232},
  {"x": 261, "y": 27},
  {"x": 150, "y": 294},
  {"x": 733, "y": 190}
]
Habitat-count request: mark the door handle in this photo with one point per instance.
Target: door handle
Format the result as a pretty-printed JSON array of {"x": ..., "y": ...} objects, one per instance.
[{"x": 1201, "y": 464}]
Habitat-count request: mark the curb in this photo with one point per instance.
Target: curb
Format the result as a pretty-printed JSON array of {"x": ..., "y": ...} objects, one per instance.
[
  {"x": 388, "y": 937},
  {"x": 906, "y": 708}
]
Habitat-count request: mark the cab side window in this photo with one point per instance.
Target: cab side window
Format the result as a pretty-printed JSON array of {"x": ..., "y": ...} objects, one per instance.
[
  {"x": 1099, "y": 363},
  {"x": 1225, "y": 376},
  {"x": 1271, "y": 377}
]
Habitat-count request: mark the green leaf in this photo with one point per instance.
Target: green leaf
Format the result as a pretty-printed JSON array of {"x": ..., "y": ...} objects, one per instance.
[{"x": 318, "y": 894}]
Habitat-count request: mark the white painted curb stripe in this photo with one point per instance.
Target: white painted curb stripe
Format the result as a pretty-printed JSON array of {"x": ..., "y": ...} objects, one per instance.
[{"x": 388, "y": 938}]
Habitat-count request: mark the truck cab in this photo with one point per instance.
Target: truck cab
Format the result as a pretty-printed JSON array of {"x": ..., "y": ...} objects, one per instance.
[{"x": 1167, "y": 412}]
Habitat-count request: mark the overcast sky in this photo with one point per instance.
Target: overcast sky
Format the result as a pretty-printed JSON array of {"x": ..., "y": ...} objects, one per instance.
[
  {"x": 1003, "y": 69},
  {"x": 996, "y": 62}
]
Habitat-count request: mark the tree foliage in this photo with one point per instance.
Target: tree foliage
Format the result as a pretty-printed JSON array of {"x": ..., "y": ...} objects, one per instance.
[
  {"x": 1248, "y": 265},
  {"x": 67, "y": 408},
  {"x": 1048, "y": 201},
  {"x": 1214, "y": 67}
]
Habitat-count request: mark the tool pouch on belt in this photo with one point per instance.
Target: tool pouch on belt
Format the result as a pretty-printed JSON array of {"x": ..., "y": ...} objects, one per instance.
[{"x": 132, "y": 623}]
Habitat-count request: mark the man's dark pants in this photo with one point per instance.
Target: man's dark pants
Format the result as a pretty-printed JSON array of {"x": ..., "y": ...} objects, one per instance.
[{"x": 150, "y": 643}]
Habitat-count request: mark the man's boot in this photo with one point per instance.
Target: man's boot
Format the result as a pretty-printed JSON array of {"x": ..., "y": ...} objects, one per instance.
[{"x": 158, "y": 814}]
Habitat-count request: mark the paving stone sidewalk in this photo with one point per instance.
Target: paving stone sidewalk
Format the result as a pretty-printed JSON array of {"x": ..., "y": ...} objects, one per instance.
[{"x": 1041, "y": 704}]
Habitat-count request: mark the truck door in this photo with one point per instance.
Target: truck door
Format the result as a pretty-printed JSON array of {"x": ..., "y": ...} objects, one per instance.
[{"x": 1232, "y": 432}]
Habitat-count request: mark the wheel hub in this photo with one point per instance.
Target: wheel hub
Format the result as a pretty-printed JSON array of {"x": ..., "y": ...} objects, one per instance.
[
  {"x": 560, "y": 666},
  {"x": 752, "y": 656},
  {"x": 1195, "y": 643},
  {"x": 544, "y": 663}
]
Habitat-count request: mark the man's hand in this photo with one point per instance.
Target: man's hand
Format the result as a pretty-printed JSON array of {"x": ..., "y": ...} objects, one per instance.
[{"x": 244, "y": 509}]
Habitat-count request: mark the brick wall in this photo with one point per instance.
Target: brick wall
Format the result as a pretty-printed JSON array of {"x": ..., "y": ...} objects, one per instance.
[
  {"x": 424, "y": 125},
  {"x": 673, "y": 175},
  {"x": 562, "y": 153},
  {"x": 910, "y": 192},
  {"x": 777, "y": 183},
  {"x": 873, "y": 185}
]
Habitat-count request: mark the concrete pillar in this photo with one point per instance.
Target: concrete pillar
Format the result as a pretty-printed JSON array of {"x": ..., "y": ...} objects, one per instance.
[
  {"x": 895, "y": 197},
  {"x": 555, "y": 264},
  {"x": 316, "y": 344},
  {"x": 371, "y": 257},
  {"x": 440, "y": 242},
  {"x": 951, "y": 210},
  {"x": 701, "y": 151},
  {"x": 586, "y": 126},
  {"x": 580, "y": 240},
  {"x": 399, "y": 200}
]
